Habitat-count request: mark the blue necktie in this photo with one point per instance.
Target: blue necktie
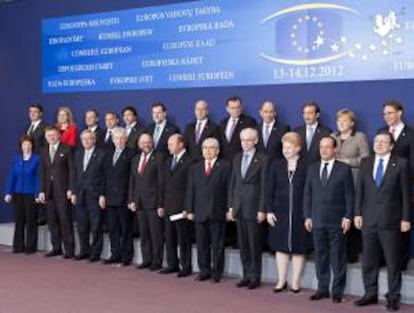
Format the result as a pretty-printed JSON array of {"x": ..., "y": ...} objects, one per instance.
[
  {"x": 324, "y": 177},
  {"x": 266, "y": 135},
  {"x": 245, "y": 164},
  {"x": 174, "y": 163},
  {"x": 157, "y": 135},
  {"x": 379, "y": 174}
]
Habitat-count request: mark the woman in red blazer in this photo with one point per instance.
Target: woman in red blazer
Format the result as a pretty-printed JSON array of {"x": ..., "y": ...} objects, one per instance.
[{"x": 66, "y": 126}]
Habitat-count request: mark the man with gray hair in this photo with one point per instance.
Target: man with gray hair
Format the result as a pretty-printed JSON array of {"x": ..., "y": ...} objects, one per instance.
[
  {"x": 206, "y": 205},
  {"x": 88, "y": 187},
  {"x": 115, "y": 202},
  {"x": 247, "y": 205}
]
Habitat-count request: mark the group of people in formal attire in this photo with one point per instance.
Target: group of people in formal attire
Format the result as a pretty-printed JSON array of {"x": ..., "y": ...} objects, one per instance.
[{"x": 289, "y": 191}]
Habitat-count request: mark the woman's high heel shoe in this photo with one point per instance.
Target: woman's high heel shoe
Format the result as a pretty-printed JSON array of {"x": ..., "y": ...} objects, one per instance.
[{"x": 284, "y": 288}]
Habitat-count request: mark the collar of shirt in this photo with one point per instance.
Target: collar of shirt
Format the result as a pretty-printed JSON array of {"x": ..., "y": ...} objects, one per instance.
[
  {"x": 398, "y": 129},
  {"x": 93, "y": 128},
  {"x": 119, "y": 151},
  {"x": 148, "y": 156},
  {"x": 35, "y": 124},
  {"x": 330, "y": 166},
  {"x": 202, "y": 123},
  {"x": 89, "y": 151},
  {"x": 312, "y": 126},
  {"x": 161, "y": 125},
  {"x": 131, "y": 126},
  {"x": 271, "y": 124},
  {"x": 385, "y": 158},
  {"x": 212, "y": 162},
  {"x": 55, "y": 146},
  {"x": 250, "y": 153},
  {"x": 179, "y": 156}
]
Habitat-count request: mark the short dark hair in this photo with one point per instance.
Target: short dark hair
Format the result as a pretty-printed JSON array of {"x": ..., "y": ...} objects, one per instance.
[
  {"x": 233, "y": 99},
  {"x": 111, "y": 113},
  {"x": 159, "y": 104},
  {"x": 51, "y": 128},
  {"x": 131, "y": 109},
  {"x": 26, "y": 138},
  {"x": 395, "y": 104},
  {"x": 386, "y": 133},
  {"x": 93, "y": 111},
  {"x": 313, "y": 104},
  {"x": 335, "y": 144},
  {"x": 36, "y": 106}
]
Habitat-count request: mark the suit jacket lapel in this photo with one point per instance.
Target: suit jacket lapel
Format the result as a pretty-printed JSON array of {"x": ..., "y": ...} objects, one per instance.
[{"x": 253, "y": 164}]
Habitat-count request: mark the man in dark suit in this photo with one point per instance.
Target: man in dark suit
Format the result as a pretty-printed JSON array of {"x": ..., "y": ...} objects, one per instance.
[
  {"x": 383, "y": 213},
  {"x": 161, "y": 129},
  {"x": 206, "y": 205},
  {"x": 271, "y": 132},
  {"x": 229, "y": 132},
  {"x": 88, "y": 187},
  {"x": 312, "y": 132},
  {"x": 111, "y": 121},
  {"x": 247, "y": 205},
  {"x": 133, "y": 129},
  {"x": 117, "y": 168},
  {"x": 145, "y": 198},
  {"x": 403, "y": 147},
  {"x": 328, "y": 211},
  {"x": 91, "y": 122},
  {"x": 177, "y": 233},
  {"x": 56, "y": 181},
  {"x": 36, "y": 127},
  {"x": 197, "y": 131}
]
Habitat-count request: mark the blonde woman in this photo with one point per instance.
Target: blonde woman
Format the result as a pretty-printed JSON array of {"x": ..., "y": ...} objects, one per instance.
[{"x": 66, "y": 126}]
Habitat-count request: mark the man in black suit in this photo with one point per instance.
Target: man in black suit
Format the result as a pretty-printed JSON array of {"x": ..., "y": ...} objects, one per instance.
[
  {"x": 91, "y": 122},
  {"x": 271, "y": 132},
  {"x": 403, "y": 147},
  {"x": 88, "y": 187},
  {"x": 133, "y": 129},
  {"x": 177, "y": 233},
  {"x": 383, "y": 213},
  {"x": 206, "y": 205},
  {"x": 328, "y": 210},
  {"x": 197, "y": 131},
  {"x": 36, "y": 127},
  {"x": 117, "y": 168},
  {"x": 312, "y": 132},
  {"x": 229, "y": 132},
  {"x": 56, "y": 181},
  {"x": 145, "y": 198},
  {"x": 111, "y": 121},
  {"x": 161, "y": 129},
  {"x": 247, "y": 205}
]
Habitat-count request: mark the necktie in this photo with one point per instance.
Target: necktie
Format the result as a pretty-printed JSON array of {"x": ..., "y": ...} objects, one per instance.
[
  {"x": 143, "y": 165},
  {"x": 173, "y": 163},
  {"x": 86, "y": 160},
  {"x": 266, "y": 135},
  {"x": 379, "y": 174},
  {"x": 208, "y": 169},
  {"x": 108, "y": 136},
  {"x": 324, "y": 177},
  {"x": 231, "y": 129},
  {"x": 393, "y": 132},
  {"x": 52, "y": 153},
  {"x": 309, "y": 136},
  {"x": 244, "y": 165},
  {"x": 31, "y": 129},
  {"x": 116, "y": 156},
  {"x": 157, "y": 133},
  {"x": 198, "y": 133}
]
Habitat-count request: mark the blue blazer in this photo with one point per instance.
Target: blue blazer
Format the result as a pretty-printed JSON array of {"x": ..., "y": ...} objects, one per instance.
[{"x": 24, "y": 176}]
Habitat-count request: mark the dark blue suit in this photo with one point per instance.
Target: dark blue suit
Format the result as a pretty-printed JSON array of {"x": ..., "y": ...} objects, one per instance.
[{"x": 327, "y": 205}]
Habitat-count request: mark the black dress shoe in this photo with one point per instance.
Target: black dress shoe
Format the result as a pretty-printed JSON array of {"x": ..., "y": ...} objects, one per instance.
[
  {"x": 295, "y": 291},
  {"x": 112, "y": 260},
  {"x": 393, "y": 305},
  {"x": 278, "y": 290},
  {"x": 203, "y": 277},
  {"x": 30, "y": 251},
  {"x": 168, "y": 270},
  {"x": 154, "y": 268},
  {"x": 143, "y": 266},
  {"x": 366, "y": 300},
  {"x": 254, "y": 284},
  {"x": 94, "y": 259},
  {"x": 182, "y": 274},
  {"x": 53, "y": 253},
  {"x": 126, "y": 262},
  {"x": 319, "y": 295},
  {"x": 80, "y": 257},
  {"x": 215, "y": 279},
  {"x": 242, "y": 283},
  {"x": 68, "y": 256},
  {"x": 337, "y": 299}
]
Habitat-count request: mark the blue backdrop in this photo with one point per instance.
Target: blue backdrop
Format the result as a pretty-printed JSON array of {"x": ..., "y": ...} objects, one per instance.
[{"x": 21, "y": 82}]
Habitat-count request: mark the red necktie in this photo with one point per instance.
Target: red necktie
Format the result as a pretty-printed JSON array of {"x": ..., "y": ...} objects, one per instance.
[
  {"x": 143, "y": 165},
  {"x": 208, "y": 169}
]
